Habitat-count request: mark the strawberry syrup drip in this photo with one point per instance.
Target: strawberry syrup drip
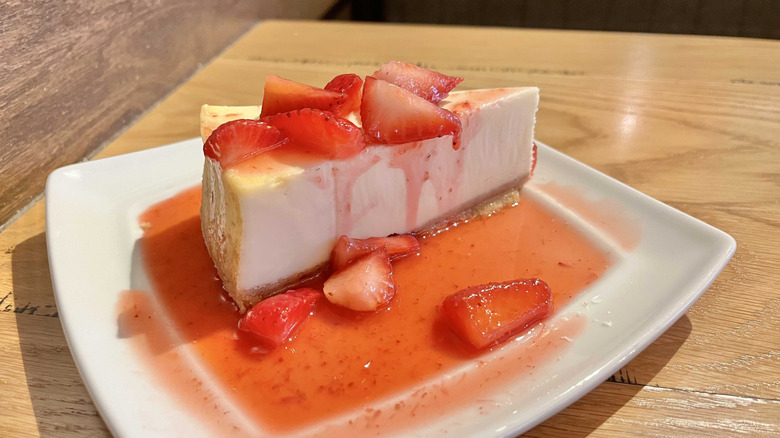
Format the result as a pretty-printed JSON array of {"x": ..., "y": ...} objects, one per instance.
[
  {"x": 414, "y": 168},
  {"x": 344, "y": 362},
  {"x": 345, "y": 178},
  {"x": 445, "y": 178}
]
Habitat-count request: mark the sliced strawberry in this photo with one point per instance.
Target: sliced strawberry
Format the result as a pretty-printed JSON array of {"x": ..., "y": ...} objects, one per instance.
[
  {"x": 277, "y": 319},
  {"x": 351, "y": 85},
  {"x": 487, "y": 314},
  {"x": 348, "y": 249},
  {"x": 392, "y": 115},
  {"x": 320, "y": 133},
  {"x": 237, "y": 140},
  {"x": 430, "y": 85},
  {"x": 367, "y": 284},
  {"x": 533, "y": 159},
  {"x": 282, "y": 95}
]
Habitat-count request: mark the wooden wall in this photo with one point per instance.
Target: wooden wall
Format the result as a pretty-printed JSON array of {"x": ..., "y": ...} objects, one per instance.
[{"x": 74, "y": 74}]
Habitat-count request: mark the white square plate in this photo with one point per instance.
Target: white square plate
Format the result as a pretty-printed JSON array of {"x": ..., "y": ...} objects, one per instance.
[{"x": 92, "y": 228}]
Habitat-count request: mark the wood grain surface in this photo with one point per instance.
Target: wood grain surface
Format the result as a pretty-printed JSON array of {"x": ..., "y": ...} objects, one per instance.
[
  {"x": 691, "y": 121},
  {"x": 75, "y": 73}
]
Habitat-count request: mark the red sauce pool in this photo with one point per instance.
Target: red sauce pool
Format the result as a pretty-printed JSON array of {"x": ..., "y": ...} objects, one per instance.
[{"x": 343, "y": 361}]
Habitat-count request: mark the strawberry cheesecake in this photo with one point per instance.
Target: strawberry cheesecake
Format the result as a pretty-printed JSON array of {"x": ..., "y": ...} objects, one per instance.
[{"x": 395, "y": 153}]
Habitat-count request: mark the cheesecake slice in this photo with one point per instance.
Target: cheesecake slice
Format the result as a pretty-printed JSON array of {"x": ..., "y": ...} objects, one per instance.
[{"x": 272, "y": 220}]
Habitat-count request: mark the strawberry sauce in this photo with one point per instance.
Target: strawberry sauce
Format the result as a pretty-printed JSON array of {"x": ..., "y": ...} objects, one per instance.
[{"x": 361, "y": 364}]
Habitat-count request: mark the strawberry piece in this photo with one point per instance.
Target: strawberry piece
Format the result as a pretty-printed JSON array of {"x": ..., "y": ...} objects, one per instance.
[
  {"x": 348, "y": 249},
  {"x": 277, "y": 319},
  {"x": 533, "y": 159},
  {"x": 237, "y": 140},
  {"x": 282, "y": 95},
  {"x": 320, "y": 133},
  {"x": 367, "y": 284},
  {"x": 430, "y": 85},
  {"x": 392, "y": 115},
  {"x": 487, "y": 314},
  {"x": 352, "y": 86}
]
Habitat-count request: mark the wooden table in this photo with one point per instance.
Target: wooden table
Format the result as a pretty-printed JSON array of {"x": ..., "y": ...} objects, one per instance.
[{"x": 691, "y": 121}]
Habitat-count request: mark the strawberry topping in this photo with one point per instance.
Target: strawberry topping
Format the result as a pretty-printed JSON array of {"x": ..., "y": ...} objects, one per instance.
[
  {"x": 319, "y": 133},
  {"x": 487, "y": 314},
  {"x": 282, "y": 95},
  {"x": 277, "y": 319},
  {"x": 348, "y": 249},
  {"x": 393, "y": 115},
  {"x": 366, "y": 284},
  {"x": 352, "y": 86},
  {"x": 430, "y": 85},
  {"x": 237, "y": 140}
]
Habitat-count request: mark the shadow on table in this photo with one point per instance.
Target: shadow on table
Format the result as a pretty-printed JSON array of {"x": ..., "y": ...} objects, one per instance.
[
  {"x": 60, "y": 400},
  {"x": 587, "y": 414}
]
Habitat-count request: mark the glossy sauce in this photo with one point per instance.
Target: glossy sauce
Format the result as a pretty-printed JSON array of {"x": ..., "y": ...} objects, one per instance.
[
  {"x": 605, "y": 215},
  {"x": 344, "y": 361}
]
